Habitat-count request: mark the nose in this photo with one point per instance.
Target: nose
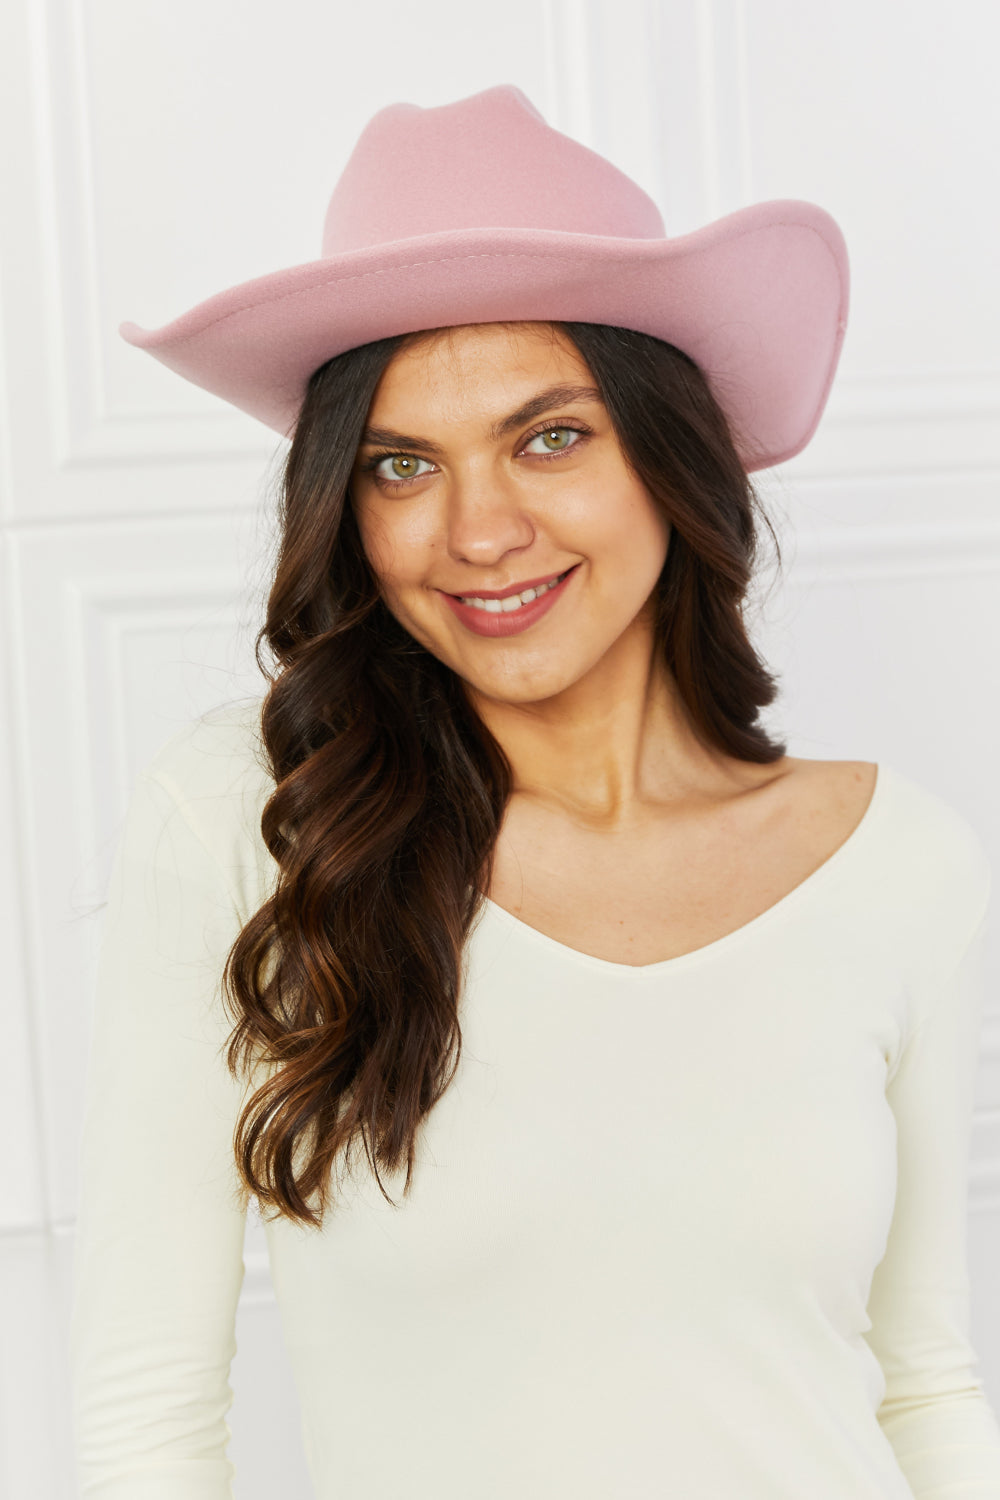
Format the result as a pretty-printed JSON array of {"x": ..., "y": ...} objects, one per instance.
[{"x": 486, "y": 519}]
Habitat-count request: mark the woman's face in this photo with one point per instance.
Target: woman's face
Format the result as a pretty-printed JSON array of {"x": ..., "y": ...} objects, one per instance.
[{"x": 477, "y": 479}]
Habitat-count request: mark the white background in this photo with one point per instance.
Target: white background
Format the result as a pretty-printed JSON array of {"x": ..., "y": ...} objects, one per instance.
[{"x": 155, "y": 153}]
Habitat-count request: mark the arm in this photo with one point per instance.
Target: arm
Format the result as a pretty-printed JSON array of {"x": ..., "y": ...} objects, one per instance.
[
  {"x": 158, "y": 1259},
  {"x": 935, "y": 1413}
]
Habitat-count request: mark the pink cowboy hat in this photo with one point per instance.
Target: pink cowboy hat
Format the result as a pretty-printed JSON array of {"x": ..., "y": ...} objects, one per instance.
[{"x": 480, "y": 212}]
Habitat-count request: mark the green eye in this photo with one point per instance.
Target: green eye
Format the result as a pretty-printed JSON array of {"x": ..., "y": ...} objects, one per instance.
[
  {"x": 403, "y": 466},
  {"x": 556, "y": 439}
]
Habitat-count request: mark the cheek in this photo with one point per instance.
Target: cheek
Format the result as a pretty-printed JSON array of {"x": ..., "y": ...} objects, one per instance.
[
  {"x": 640, "y": 533},
  {"x": 659, "y": 537},
  {"x": 400, "y": 551},
  {"x": 385, "y": 548},
  {"x": 649, "y": 521},
  {"x": 374, "y": 536},
  {"x": 612, "y": 512}
]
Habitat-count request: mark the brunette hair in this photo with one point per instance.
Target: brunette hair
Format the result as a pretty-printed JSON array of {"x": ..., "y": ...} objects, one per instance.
[{"x": 390, "y": 790}]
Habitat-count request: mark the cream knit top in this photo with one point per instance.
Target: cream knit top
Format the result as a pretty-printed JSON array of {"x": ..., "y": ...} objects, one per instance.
[{"x": 694, "y": 1230}]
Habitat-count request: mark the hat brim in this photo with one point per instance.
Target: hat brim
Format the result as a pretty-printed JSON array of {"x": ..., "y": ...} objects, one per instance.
[{"x": 757, "y": 298}]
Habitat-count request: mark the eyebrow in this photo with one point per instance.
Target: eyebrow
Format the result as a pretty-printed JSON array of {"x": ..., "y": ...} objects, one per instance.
[{"x": 555, "y": 395}]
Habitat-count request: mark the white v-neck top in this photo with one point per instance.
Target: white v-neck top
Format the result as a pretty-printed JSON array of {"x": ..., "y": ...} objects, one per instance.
[{"x": 695, "y": 1229}]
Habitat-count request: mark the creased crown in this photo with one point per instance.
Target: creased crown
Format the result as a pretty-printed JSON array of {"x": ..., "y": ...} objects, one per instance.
[{"x": 486, "y": 162}]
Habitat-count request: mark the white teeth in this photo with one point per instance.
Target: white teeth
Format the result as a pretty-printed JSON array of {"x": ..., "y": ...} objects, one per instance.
[{"x": 512, "y": 602}]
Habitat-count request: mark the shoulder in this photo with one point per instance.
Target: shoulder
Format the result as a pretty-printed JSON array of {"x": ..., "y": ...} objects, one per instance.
[
  {"x": 940, "y": 836},
  {"x": 931, "y": 818},
  {"x": 213, "y": 773},
  {"x": 838, "y": 791},
  {"x": 212, "y": 755},
  {"x": 927, "y": 857}
]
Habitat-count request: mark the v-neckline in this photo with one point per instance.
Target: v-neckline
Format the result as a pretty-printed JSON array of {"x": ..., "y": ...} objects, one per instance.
[{"x": 818, "y": 877}]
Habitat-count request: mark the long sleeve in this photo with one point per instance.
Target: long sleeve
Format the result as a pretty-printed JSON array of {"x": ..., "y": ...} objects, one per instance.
[
  {"x": 935, "y": 1412},
  {"x": 158, "y": 1261}
]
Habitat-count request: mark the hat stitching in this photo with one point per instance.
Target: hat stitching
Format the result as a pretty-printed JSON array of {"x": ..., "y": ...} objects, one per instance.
[{"x": 444, "y": 259}]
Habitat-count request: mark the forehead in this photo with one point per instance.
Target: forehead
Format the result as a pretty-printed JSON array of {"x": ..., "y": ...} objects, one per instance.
[{"x": 474, "y": 369}]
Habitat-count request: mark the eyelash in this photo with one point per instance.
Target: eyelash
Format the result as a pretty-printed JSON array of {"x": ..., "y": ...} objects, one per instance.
[{"x": 372, "y": 463}]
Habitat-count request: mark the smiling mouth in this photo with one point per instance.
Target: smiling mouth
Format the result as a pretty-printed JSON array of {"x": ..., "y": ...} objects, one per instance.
[{"x": 511, "y": 602}]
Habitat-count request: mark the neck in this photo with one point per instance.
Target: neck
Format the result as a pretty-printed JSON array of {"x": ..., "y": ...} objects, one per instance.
[{"x": 612, "y": 746}]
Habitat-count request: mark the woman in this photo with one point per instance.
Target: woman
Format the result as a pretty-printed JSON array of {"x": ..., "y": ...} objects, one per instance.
[{"x": 668, "y": 1039}]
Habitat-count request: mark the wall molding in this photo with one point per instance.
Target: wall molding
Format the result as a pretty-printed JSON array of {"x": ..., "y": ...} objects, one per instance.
[{"x": 888, "y": 553}]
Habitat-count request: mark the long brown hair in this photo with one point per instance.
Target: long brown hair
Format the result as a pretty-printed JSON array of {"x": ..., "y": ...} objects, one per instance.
[{"x": 390, "y": 791}]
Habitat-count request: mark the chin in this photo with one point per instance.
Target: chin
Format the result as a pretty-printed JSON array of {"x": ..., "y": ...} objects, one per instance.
[{"x": 523, "y": 690}]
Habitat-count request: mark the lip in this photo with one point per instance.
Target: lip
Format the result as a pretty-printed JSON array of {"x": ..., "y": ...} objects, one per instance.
[
  {"x": 515, "y": 588},
  {"x": 481, "y": 623}
]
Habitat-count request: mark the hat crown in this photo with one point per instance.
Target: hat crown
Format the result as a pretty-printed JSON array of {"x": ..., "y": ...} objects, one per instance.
[{"x": 487, "y": 162}]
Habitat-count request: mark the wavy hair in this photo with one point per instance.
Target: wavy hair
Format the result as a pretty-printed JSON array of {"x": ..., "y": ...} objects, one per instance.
[{"x": 390, "y": 790}]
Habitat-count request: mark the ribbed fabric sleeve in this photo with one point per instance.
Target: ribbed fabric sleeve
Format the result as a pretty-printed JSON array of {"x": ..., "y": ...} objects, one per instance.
[
  {"x": 935, "y": 1412},
  {"x": 158, "y": 1261}
]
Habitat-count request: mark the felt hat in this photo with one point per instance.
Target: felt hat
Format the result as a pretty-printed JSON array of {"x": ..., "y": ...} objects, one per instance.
[{"x": 478, "y": 211}]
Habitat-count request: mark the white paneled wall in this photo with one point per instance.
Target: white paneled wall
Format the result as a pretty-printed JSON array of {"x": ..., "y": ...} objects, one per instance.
[{"x": 154, "y": 154}]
